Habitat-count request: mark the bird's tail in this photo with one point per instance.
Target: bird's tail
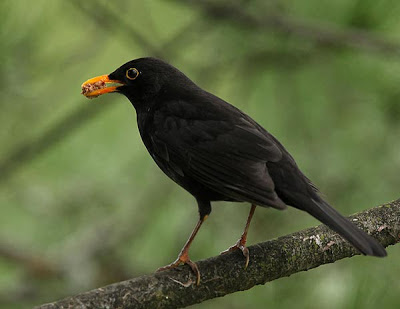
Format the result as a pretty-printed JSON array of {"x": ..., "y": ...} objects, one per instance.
[{"x": 359, "y": 239}]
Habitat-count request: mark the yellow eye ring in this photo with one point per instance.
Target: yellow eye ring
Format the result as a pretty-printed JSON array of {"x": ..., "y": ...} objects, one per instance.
[{"x": 132, "y": 73}]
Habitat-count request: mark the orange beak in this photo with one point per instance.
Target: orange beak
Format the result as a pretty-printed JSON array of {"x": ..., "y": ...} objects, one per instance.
[{"x": 99, "y": 85}]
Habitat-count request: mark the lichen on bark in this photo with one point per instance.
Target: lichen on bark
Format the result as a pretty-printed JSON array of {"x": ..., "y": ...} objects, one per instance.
[{"x": 225, "y": 274}]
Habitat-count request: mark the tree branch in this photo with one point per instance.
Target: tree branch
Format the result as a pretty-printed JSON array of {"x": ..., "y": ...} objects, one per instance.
[
  {"x": 224, "y": 274},
  {"x": 35, "y": 265},
  {"x": 321, "y": 34}
]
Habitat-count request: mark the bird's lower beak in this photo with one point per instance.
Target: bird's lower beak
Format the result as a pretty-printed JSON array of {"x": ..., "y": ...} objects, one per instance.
[{"x": 99, "y": 85}]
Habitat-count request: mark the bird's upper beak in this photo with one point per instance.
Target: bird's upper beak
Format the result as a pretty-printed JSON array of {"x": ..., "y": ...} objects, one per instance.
[{"x": 99, "y": 85}]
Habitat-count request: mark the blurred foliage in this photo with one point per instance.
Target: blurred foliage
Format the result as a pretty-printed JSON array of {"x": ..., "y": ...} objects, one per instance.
[{"x": 82, "y": 203}]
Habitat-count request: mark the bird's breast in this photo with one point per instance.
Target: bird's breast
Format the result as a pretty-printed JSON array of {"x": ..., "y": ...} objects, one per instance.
[{"x": 170, "y": 157}]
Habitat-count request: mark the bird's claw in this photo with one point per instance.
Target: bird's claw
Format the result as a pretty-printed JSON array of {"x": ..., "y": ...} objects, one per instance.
[
  {"x": 183, "y": 259},
  {"x": 240, "y": 245}
]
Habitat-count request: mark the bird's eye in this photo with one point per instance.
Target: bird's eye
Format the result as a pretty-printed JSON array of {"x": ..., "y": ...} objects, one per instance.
[{"x": 132, "y": 73}]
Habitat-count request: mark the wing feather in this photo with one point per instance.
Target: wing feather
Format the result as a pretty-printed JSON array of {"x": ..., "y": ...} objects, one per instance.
[{"x": 229, "y": 157}]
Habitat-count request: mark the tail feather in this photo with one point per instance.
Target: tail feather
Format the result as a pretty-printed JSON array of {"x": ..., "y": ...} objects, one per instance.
[{"x": 367, "y": 245}]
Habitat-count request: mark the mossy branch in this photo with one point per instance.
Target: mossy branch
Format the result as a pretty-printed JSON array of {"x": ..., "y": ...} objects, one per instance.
[{"x": 224, "y": 274}]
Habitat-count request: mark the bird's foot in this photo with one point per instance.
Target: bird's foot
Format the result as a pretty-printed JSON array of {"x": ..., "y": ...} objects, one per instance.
[
  {"x": 183, "y": 259},
  {"x": 241, "y": 245}
]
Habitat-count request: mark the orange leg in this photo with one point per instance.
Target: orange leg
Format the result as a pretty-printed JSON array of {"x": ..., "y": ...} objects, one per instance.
[
  {"x": 241, "y": 243},
  {"x": 183, "y": 257}
]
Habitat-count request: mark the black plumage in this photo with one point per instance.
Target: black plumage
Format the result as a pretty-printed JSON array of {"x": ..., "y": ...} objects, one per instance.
[{"x": 217, "y": 152}]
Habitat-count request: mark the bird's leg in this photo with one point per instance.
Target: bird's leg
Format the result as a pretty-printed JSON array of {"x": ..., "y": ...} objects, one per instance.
[
  {"x": 183, "y": 257},
  {"x": 241, "y": 243}
]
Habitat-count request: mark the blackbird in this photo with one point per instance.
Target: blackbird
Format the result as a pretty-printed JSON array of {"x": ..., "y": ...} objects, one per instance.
[{"x": 216, "y": 152}]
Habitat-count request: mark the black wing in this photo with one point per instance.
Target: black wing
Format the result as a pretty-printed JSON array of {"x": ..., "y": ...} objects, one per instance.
[{"x": 226, "y": 152}]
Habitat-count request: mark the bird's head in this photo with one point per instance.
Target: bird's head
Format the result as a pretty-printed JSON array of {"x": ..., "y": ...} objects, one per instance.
[{"x": 139, "y": 80}]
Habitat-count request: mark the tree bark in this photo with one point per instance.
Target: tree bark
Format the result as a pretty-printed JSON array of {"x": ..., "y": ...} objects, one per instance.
[{"x": 225, "y": 274}]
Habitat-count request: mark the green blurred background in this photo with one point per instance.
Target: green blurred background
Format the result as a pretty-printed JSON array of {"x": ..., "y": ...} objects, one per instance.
[{"x": 84, "y": 205}]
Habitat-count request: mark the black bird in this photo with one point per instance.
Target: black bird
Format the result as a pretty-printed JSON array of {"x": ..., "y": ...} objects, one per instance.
[{"x": 216, "y": 152}]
